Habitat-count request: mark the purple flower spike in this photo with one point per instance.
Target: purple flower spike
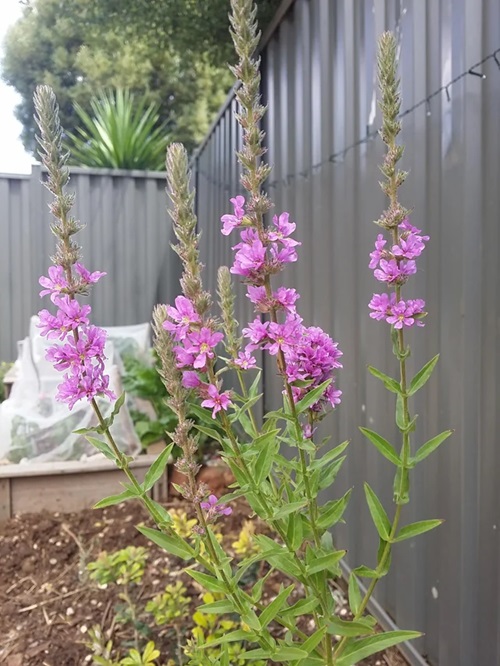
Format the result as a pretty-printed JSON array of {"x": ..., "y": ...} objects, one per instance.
[
  {"x": 55, "y": 283},
  {"x": 230, "y": 222},
  {"x": 184, "y": 315}
]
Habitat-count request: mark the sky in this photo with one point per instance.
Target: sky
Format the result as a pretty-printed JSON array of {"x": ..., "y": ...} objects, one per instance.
[{"x": 13, "y": 157}]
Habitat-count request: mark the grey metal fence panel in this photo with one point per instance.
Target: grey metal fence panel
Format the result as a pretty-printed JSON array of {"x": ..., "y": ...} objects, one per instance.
[
  {"x": 127, "y": 234},
  {"x": 318, "y": 70}
]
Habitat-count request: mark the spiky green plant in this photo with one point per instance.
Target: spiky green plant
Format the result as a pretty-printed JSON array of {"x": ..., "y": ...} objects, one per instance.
[{"x": 122, "y": 132}]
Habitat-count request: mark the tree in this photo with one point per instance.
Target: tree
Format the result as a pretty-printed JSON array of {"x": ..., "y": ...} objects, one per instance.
[{"x": 60, "y": 43}]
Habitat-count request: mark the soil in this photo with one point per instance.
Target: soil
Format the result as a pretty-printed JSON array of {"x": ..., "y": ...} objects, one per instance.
[{"x": 48, "y": 603}]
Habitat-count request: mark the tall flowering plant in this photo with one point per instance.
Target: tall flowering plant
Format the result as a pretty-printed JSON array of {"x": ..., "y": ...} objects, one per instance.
[{"x": 278, "y": 465}]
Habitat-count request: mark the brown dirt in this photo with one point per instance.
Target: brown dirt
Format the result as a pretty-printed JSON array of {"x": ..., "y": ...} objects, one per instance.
[{"x": 47, "y": 602}]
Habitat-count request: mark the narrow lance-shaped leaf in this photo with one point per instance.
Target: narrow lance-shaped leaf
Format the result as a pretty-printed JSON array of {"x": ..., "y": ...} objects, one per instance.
[
  {"x": 409, "y": 531},
  {"x": 422, "y": 376},
  {"x": 272, "y": 609},
  {"x": 430, "y": 446},
  {"x": 115, "y": 499},
  {"x": 157, "y": 468},
  {"x": 382, "y": 445},
  {"x": 354, "y": 594},
  {"x": 172, "y": 544},
  {"x": 378, "y": 514},
  {"x": 365, "y": 647},
  {"x": 389, "y": 383},
  {"x": 312, "y": 397}
]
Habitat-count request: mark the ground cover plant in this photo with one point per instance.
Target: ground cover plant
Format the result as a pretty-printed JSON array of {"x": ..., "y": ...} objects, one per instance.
[{"x": 278, "y": 465}]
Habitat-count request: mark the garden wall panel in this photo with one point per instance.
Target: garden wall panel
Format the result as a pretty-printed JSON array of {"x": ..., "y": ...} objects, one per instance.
[
  {"x": 127, "y": 234},
  {"x": 319, "y": 81}
]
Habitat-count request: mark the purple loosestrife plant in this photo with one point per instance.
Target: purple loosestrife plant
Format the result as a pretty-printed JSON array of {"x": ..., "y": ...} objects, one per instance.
[{"x": 278, "y": 466}]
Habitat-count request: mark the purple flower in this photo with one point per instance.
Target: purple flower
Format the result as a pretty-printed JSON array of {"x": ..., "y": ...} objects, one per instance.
[
  {"x": 284, "y": 256},
  {"x": 411, "y": 245},
  {"x": 55, "y": 283},
  {"x": 229, "y": 222},
  {"x": 381, "y": 305},
  {"x": 88, "y": 383},
  {"x": 191, "y": 379},
  {"x": 284, "y": 336},
  {"x": 258, "y": 297},
  {"x": 184, "y": 315},
  {"x": 86, "y": 276},
  {"x": 286, "y": 298},
  {"x": 249, "y": 259},
  {"x": 245, "y": 360},
  {"x": 379, "y": 251},
  {"x": 215, "y": 509},
  {"x": 392, "y": 272},
  {"x": 201, "y": 344},
  {"x": 256, "y": 332},
  {"x": 216, "y": 401},
  {"x": 283, "y": 229},
  {"x": 184, "y": 359}
]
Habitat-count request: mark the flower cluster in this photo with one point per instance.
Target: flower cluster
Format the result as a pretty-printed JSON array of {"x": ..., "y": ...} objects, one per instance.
[
  {"x": 214, "y": 510},
  {"x": 81, "y": 353},
  {"x": 308, "y": 354},
  {"x": 394, "y": 265},
  {"x": 195, "y": 352},
  {"x": 260, "y": 254}
]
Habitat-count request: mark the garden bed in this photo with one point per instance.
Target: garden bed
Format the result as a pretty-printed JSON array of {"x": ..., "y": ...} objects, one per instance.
[
  {"x": 65, "y": 486},
  {"x": 49, "y": 603}
]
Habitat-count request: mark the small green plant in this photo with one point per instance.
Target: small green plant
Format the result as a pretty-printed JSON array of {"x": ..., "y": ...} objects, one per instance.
[
  {"x": 123, "y": 132},
  {"x": 181, "y": 524},
  {"x": 4, "y": 369},
  {"x": 147, "y": 658}
]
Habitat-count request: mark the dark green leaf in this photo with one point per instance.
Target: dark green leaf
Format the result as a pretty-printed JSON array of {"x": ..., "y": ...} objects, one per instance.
[
  {"x": 378, "y": 514},
  {"x": 329, "y": 456},
  {"x": 157, "y": 468},
  {"x": 430, "y": 446},
  {"x": 389, "y": 383},
  {"x": 103, "y": 447},
  {"x": 400, "y": 414},
  {"x": 217, "y": 607},
  {"x": 172, "y": 544},
  {"x": 366, "y": 572},
  {"x": 289, "y": 508},
  {"x": 115, "y": 499},
  {"x": 329, "y": 561},
  {"x": 314, "y": 640},
  {"x": 210, "y": 583},
  {"x": 312, "y": 397},
  {"x": 423, "y": 375},
  {"x": 272, "y": 609},
  {"x": 288, "y": 653},
  {"x": 382, "y": 445},
  {"x": 409, "y": 531},
  {"x": 354, "y": 594},
  {"x": 302, "y": 607},
  {"x": 238, "y": 635},
  {"x": 332, "y": 512},
  {"x": 210, "y": 432},
  {"x": 349, "y": 628},
  {"x": 365, "y": 647}
]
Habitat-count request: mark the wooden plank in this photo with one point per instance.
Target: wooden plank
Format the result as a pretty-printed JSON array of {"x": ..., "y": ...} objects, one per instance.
[
  {"x": 5, "y": 503},
  {"x": 69, "y": 467}
]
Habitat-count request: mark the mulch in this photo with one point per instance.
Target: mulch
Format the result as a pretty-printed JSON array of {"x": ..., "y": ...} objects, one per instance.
[{"x": 48, "y": 603}]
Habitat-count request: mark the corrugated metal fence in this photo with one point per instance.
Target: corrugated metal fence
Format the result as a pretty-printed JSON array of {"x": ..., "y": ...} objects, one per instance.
[
  {"x": 319, "y": 81},
  {"x": 127, "y": 235}
]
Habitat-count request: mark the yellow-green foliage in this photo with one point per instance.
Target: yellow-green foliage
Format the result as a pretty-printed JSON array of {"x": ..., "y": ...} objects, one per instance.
[
  {"x": 122, "y": 567},
  {"x": 245, "y": 546},
  {"x": 182, "y": 525},
  {"x": 169, "y": 606}
]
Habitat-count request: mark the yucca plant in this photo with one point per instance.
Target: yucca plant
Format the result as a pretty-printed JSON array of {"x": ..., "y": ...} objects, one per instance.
[{"x": 122, "y": 132}]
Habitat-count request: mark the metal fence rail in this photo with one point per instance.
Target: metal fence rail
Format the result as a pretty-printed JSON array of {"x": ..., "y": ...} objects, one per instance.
[
  {"x": 318, "y": 70},
  {"x": 126, "y": 234}
]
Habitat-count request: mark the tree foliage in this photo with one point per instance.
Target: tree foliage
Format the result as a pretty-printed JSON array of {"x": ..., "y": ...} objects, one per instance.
[{"x": 69, "y": 46}]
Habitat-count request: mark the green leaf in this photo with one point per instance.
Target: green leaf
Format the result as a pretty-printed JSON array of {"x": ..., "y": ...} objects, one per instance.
[
  {"x": 382, "y": 445},
  {"x": 157, "y": 468},
  {"x": 288, "y": 653},
  {"x": 378, "y": 514},
  {"x": 231, "y": 637},
  {"x": 329, "y": 456},
  {"x": 203, "y": 414},
  {"x": 422, "y": 376},
  {"x": 254, "y": 388},
  {"x": 210, "y": 432},
  {"x": 272, "y": 609},
  {"x": 400, "y": 414},
  {"x": 430, "y": 446},
  {"x": 280, "y": 414},
  {"x": 365, "y": 647},
  {"x": 115, "y": 499},
  {"x": 103, "y": 447},
  {"x": 402, "y": 486},
  {"x": 117, "y": 406},
  {"x": 409, "y": 531},
  {"x": 366, "y": 572},
  {"x": 302, "y": 607},
  {"x": 264, "y": 461},
  {"x": 329, "y": 561},
  {"x": 332, "y": 512},
  {"x": 389, "y": 383},
  {"x": 291, "y": 507},
  {"x": 172, "y": 544},
  {"x": 314, "y": 640},
  {"x": 312, "y": 397},
  {"x": 217, "y": 607},
  {"x": 208, "y": 582},
  {"x": 354, "y": 594},
  {"x": 295, "y": 531},
  {"x": 349, "y": 628}
]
